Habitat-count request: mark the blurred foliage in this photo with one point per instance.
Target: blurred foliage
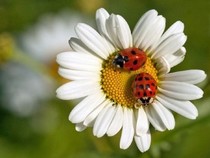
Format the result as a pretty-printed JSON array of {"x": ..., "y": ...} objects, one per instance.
[{"x": 47, "y": 132}]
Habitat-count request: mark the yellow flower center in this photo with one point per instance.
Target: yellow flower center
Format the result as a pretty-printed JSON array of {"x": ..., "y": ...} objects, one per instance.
[{"x": 116, "y": 82}]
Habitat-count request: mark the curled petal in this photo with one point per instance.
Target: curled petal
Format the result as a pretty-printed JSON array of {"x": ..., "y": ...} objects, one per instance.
[
  {"x": 175, "y": 58},
  {"x": 165, "y": 63}
]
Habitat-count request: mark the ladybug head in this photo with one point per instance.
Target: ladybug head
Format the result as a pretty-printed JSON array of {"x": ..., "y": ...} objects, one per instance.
[
  {"x": 145, "y": 100},
  {"x": 119, "y": 61}
]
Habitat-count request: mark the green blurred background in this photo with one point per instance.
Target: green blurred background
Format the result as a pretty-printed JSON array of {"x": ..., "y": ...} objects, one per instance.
[{"x": 34, "y": 123}]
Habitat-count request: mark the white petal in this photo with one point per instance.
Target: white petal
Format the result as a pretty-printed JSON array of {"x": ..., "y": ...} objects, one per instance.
[
  {"x": 85, "y": 107},
  {"x": 116, "y": 123},
  {"x": 142, "y": 26},
  {"x": 143, "y": 142},
  {"x": 142, "y": 125},
  {"x": 180, "y": 90},
  {"x": 89, "y": 120},
  {"x": 165, "y": 115},
  {"x": 154, "y": 118},
  {"x": 153, "y": 34},
  {"x": 169, "y": 45},
  {"x": 127, "y": 130},
  {"x": 184, "y": 108},
  {"x": 77, "y": 89},
  {"x": 112, "y": 33},
  {"x": 123, "y": 32},
  {"x": 103, "y": 120},
  {"x": 80, "y": 127},
  {"x": 78, "y": 75},
  {"x": 119, "y": 31},
  {"x": 93, "y": 40},
  {"x": 162, "y": 66},
  {"x": 101, "y": 16},
  {"x": 79, "y": 46},
  {"x": 165, "y": 63},
  {"x": 79, "y": 61},
  {"x": 189, "y": 76},
  {"x": 175, "y": 58},
  {"x": 177, "y": 27}
]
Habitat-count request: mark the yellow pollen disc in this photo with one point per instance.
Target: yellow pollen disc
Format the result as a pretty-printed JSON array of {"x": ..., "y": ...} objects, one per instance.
[{"x": 116, "y": 83}]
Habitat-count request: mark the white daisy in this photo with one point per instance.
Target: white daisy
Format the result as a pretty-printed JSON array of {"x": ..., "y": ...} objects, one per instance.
[
  {"x": 108, "y": 104},
  {"x": 27, "y": 88},
  {"x": 50, "y": 35}
]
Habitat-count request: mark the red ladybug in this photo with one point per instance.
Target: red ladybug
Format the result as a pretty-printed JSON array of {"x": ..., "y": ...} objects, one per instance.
[
  {"x": 130, "y": 59},
  {"x": 144, "y": 88}
]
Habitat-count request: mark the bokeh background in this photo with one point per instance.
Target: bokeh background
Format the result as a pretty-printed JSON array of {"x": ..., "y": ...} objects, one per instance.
[{"x": 34, "y": 123}]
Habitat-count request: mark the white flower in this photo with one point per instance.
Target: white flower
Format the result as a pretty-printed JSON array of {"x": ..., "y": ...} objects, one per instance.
[
  {"x": 108, "y": 105},
  {"x": 50, "y": 35},
  {"x": 23, "y": 89}
]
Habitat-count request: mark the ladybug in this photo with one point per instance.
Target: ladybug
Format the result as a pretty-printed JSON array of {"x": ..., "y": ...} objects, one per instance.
[
  {"x": 130, "y": 59},
  {"x": 144, "y": 88}
]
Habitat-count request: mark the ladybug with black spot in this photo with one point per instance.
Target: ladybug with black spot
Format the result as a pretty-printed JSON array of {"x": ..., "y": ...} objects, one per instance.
[
  {"x": 130, "y": 59},
  {"x": 144, "y": 88}
]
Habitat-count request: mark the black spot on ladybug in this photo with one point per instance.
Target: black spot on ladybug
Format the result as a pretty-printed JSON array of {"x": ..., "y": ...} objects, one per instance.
[
  {"x": 131, "y": 69},
  {"x": 141, "y": 86},
  {"x": 145, "y": 94},
  {"x": 139, "y": 93},
  {"x": 150, "y": 92},
  {"x": 140, "y": 78},
  {"x": 133, "y": 52},
  {"x": 147, "y": 86},
  {"x": 135, "y": 62},
  {"x": 126, "y": 58},
  {"x": 146, "y": 78}
]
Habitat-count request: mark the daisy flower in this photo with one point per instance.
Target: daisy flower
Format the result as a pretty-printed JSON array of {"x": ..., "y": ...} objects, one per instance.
[
  {"x": 50, "y": 35},
  {"x": 108, "y": 104},
  {"x": 27, "y": 87}
]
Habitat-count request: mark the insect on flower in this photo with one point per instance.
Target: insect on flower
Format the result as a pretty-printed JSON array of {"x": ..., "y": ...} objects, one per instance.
[{"x": 130, "y": 59}]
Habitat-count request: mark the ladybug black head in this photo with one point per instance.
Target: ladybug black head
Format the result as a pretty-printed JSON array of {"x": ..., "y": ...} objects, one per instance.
[
  {"x": 119, "y": 61},
  {"x": 145, "y": 100}
]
